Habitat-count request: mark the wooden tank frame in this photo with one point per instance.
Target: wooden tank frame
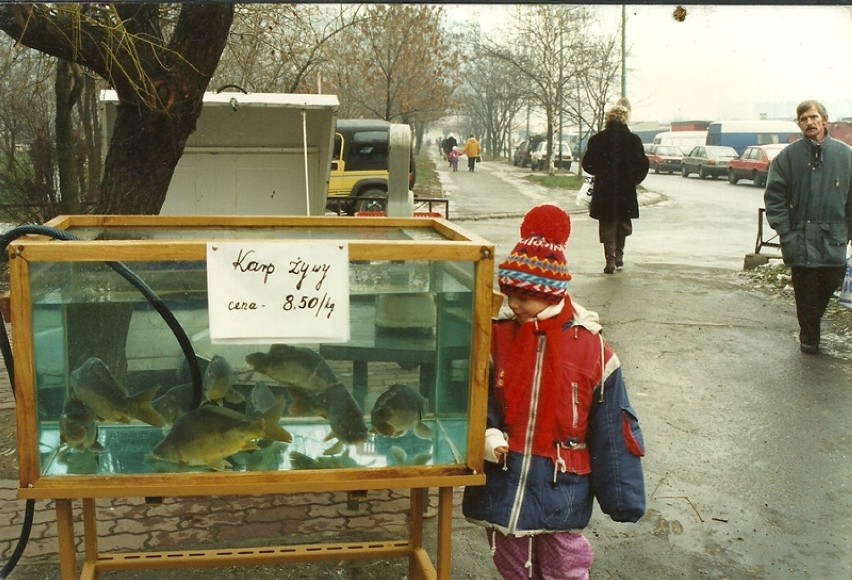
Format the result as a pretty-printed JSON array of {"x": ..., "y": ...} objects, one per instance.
[{"x": 456, "y": 245}]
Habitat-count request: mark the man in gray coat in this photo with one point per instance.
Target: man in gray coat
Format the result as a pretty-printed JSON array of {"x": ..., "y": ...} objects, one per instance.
[{"x": 808, "y": 201}]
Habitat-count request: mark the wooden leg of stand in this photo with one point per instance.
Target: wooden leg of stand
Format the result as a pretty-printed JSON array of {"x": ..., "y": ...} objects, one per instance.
[
  {"x": 90, "y": 534},
  {"x": 445, "y": 527},
  {"x": 67, "y": 545},
  {"x": 415, "y": 529}
]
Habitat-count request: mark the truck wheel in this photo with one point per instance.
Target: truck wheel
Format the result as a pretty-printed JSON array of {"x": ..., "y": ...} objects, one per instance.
[{"x": 373, "y": 204}]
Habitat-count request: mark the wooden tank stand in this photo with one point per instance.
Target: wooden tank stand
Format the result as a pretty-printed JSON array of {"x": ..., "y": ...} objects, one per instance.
[{"x": 419, "y": 563}]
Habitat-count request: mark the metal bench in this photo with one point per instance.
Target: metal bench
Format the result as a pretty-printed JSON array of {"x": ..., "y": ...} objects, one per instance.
[{"x": 761, "y": 241}]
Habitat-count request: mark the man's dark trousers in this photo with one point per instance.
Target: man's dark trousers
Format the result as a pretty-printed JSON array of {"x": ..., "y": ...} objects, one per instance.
[{"x": 813, "y": 288}]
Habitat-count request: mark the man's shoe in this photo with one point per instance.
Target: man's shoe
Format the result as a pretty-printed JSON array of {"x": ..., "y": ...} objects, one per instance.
[
  {"x": 809, "y": 348},
  {"x": 610, "y": 267}
]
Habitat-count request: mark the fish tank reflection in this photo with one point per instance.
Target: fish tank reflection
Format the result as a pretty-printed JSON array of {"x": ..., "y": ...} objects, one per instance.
[{"x": 114, "y": 392}]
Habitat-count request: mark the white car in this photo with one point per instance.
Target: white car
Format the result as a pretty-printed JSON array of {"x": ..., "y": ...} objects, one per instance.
[{"x": 538, "y": 156}]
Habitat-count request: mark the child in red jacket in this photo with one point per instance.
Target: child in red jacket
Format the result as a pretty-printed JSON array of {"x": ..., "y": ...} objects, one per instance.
[
  {"x": 560, "y": 429},
  {"x": 453, "y": 157}
]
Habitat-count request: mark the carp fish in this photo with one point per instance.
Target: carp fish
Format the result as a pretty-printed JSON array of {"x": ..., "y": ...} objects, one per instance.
[
  {"x": 302, "y": 461},
  {"x": 399, "y": 410},
  {"x": 398, "y": 457},
  {"x": 94, "y": 385},
  {"x": 206, "y": 436},
  {"x": 219, "y": 380},
  {"x": 313, "y": 389},
  {"x": 264, "y": 404},
  {"x": 294, "y": 366},
  {"x": 174, "y": 403},
  {"x": 78, "y": 427}
]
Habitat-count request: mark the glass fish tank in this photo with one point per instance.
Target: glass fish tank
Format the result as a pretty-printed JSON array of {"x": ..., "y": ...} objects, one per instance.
[{"x": 182, "y": 356}]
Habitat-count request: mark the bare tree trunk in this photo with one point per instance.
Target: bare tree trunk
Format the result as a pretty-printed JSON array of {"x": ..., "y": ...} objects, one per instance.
[
  {"x": 68, "y": 87},
  {"x": 129, "y": 165},
  {"x": 93, "y": 141}
]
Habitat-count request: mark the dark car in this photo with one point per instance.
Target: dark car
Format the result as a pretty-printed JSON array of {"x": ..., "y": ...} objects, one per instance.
[
  {"x": 522, "y": 157},
  {"x": 707, "y": 161},
  {"x": 666, "y": 158},
  {"x": 753, "y": 164}
]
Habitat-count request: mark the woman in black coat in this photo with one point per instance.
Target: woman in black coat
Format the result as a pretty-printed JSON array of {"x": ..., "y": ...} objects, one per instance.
[{"x": 617, "y": 160}]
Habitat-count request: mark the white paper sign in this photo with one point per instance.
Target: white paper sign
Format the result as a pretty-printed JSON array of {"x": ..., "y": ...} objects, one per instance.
[{"x": 284, "y": 291}]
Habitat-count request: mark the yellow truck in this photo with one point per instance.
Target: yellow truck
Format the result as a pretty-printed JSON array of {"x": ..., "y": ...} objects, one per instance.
[{"x": 358, "y": 181}]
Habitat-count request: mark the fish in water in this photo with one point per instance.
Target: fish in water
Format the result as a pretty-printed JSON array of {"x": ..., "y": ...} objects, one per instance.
[
  {"x": 270, "y": 457},
  {"x": 338, "y": 406},
  {"x": 294, "y": 366},
  {"x": 264, "y": 404},
  {"x": 302, "y": 461},
  {"x": 399, "y": 410},
  {"x": 314, "y": 389},
  {"x": 219, "y": 381},
  {"x": 398, "y": 456},
  {"x": 206, "y": 436},
  {"x": 78, "y": 427},
  {"x": 94, "y": 385},
  {"x": 173, "y": 403}
]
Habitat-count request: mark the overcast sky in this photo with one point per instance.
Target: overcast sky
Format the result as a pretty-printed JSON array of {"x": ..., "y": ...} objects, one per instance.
[{"x": 726, "y": 62}]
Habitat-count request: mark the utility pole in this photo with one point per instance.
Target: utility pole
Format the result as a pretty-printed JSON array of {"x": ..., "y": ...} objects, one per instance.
[
  {"x": 559, "y": 91},
  {"x": 623, "y": 50}
]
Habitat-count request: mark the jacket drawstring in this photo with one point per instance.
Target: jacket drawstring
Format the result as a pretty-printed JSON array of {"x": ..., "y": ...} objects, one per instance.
[
  {"x": 528, "y": 564},
  {"x": 493, "y": 543},
  {"x": 559, "y": 466}
]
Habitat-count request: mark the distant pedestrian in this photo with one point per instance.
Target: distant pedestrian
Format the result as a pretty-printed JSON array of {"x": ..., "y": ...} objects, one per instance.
[
  {"x": 808, "y": 202},
  {"x": 449, "y": 143},
  {"x": 617, "y": 160},
  {"x": 560, "y": 428},
  {"x": 471, "y": 149},
  {"x": 453, "y": 157}
]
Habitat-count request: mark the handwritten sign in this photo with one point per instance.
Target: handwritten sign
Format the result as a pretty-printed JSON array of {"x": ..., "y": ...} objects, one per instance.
[{"x": 265, "y": 292}]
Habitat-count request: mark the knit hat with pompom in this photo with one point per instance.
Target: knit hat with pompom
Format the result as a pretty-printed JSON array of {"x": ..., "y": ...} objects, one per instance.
[{"x": 537, "y": 268}]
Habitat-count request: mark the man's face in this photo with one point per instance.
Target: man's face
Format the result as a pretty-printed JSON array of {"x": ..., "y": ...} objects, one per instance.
[{"x": 812, "y": 124}]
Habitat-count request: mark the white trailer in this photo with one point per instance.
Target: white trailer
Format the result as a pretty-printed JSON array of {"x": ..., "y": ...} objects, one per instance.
[{"x": 252, "y": 154}]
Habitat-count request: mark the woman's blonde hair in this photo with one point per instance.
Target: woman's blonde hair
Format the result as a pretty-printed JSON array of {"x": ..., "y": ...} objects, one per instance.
[{"x": 618, "y": 113}]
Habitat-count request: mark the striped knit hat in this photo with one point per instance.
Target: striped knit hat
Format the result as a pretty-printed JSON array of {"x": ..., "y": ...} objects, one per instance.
[{"x": 537, "y": 268}]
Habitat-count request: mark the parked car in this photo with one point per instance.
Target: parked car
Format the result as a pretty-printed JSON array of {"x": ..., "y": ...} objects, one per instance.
[
  {"x": 753, "y": 164},
  {"x": 707, "y": 161},
  {"x": 359, "y": 166},
  {"x": 538, "y": 156},
  {"x": 666, "y": 158},
  {"x": 522, "y": 155}
]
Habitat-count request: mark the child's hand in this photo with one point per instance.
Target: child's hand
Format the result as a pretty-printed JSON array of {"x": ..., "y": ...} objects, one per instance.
[{"x": 495, "y": 445}]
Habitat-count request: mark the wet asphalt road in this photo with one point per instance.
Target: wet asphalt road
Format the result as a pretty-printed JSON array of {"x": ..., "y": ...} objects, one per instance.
[{"x": 748, "y": 465}]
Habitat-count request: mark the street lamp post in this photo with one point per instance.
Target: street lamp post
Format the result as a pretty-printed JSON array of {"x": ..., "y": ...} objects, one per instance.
[{"x": 623, "y": 50}]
